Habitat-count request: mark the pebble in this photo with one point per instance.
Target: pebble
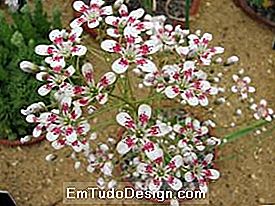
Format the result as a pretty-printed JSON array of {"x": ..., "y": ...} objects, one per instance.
[
  {"x": 241, "y": 71},
  {"x": 15, "y": 163},
  {"x": 239, "y": 112},
  {"x": 253, "y": 176},
  {"x": 50, "y": 157},
  {"x": 261, "y": 200},
  {"x": 77, "y": 165}
]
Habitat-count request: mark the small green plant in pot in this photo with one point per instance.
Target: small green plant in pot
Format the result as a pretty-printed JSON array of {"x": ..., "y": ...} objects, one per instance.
[{"x": 27, "y": 27}]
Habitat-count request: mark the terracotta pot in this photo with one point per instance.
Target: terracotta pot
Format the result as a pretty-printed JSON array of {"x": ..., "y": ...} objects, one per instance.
[
  {"x": 15, "y": 143},
  {"x": 250, "y": 12},
  {"x": 130, "y": 184}
]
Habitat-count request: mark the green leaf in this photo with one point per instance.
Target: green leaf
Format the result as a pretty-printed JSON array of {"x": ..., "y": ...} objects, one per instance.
[{"x": 244, "y": 131}]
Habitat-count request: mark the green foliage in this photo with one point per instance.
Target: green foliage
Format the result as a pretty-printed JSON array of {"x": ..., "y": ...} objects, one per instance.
[
  {"x": 257, "y": 3},
  {"x": 148, "y": 5},
  {"x": 17, "y": 42}
]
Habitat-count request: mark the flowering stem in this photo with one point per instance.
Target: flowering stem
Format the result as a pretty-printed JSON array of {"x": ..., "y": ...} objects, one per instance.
[
  {"x": 242, "y": 132},
  {"x": 229, "y": 157},
  {"x": 129, "y": 85},
  {"x": 122, "y": 99}
]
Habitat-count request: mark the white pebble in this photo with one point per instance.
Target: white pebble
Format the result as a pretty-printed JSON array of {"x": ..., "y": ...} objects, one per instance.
[
  {"x": 218, "y": 60},
  {"x": 25, "y": 139},
  {"x": 140, "y": 86},
  {"x": 216, "y": 79},
  {"x": 77, "y": 165},
  {"x": 220, "y": 74},
  {"x": 93, "y": 136},
  {"x": 241, "y": 71},
  {"x": 50, "y": 157},
  {"x": 239, "y": 112},
  {"x": 221, "y": 89}
]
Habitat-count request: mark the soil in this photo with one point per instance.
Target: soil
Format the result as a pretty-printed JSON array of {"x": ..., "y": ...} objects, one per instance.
[{"x": 246, "y": 165}]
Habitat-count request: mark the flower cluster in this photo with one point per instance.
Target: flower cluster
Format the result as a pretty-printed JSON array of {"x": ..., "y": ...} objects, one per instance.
[
  {"x": 189, "y": 158},
  {"x": 153, "y": 151}
]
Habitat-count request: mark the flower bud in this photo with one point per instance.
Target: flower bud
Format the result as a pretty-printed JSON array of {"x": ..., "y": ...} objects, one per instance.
[{"x": 28, "y": 67}]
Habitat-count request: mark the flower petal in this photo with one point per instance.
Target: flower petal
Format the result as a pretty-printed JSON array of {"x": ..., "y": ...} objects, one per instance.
[
  {"x": 88, "y": 73},
  {"x": 120, "y": 65},
  {"x": 136, "y": 14},
  {"x": 107, "y": 10},
  {"x": 175, "y": 162},
  {"x": 125, "y": 120},
  {"x": 111, "y": 46},
  {"x": 158, "y": 130},
  {"x": 172, "y": 91},
  {"x": 125, "y": 145},
  {"x": 155, "y": 184},
  {"x": 146, "y": 65},
  {"x": 56, "y": 36},
  {"x": 174, "y": 182},
  {"x": 144, "y": 114},
  {"x": 45, "y": 50},
  {"x": 78, "y": 21},
  {"x": 102, "y": 98},
  {"x": 78, "y": 50},
  {"x": 93, "y": 23},
  {"x": 144, "y": 168},
  {"x": 79, "y": 6},
  {"x": 45, "y": 89},
  {"x": 189, "y": 176},
  {"x": 212, "y": 174},
  {"x": 106, "y": 80}
]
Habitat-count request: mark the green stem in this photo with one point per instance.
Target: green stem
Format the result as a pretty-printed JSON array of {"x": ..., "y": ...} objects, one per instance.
[
  {"x": 122, "y": 99},
  {"x": 243, "y": 132}
]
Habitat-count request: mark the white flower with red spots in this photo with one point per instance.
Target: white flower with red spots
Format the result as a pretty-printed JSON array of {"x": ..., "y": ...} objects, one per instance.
[
  {"x": 242, "y": 86},
  {"x": 191, "y": 132},
  {"x": 262, "y": 111},
  {"x": 160, "y": 174},
  {"x": 139, "y": 131},
  {"x": 135, "y": 52},
  {"x": 92, "y": 14},
  {"x": 200, "y": 172},
  {"x": 190, "y": 84},
  {"x": 128, "y": 24},
  {"x": 64, "y": 46},
  {"x": 65, "y": 94},
  {"x": 53, "y": 80},
  {"x": 93, "y": 91},
  {"x": 198, "y": 47},
  {"x": 68, "y": 124},
  {"x": 168, "y": 37},
  {"x": 101, "y": 160},
  {"x": 159, "y": 79}
]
